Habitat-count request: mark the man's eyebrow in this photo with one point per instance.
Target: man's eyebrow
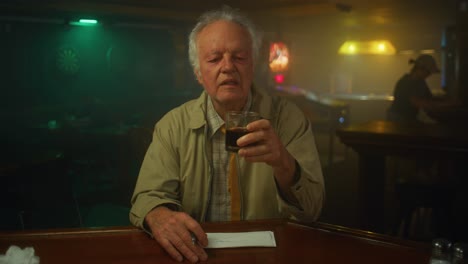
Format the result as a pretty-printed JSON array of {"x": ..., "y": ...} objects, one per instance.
[{"x": 214, "y": 52}]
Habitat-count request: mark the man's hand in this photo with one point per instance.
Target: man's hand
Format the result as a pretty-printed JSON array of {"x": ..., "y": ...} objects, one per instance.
[
  {"x": 262, "y": 144},
  {"x": 173, "y": 231}
]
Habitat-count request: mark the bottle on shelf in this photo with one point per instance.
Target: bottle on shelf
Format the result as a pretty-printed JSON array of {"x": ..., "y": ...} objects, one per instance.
[
  {"x": 459, "y": 253},
  {"x": 441, "y": 251}
]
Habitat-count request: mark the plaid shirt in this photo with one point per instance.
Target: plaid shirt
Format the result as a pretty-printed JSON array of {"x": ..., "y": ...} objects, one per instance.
[{"x": 219, "y": 208}]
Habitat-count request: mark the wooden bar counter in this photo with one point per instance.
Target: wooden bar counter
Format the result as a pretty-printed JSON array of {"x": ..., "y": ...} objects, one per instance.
[
  {"x": 296, "y": 243},
  {"x": 376, "y": 140}
]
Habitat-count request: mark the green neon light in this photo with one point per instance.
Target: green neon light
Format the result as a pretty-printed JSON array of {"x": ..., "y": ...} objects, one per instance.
[
  {"x": 88, "y": 21},
  {"x": 84, "y": 22}
]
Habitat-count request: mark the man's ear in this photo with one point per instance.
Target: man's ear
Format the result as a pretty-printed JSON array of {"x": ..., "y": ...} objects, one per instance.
[{"x": 199, "y": 77}]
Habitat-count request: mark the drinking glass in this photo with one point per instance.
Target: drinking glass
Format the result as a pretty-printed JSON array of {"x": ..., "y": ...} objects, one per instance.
[{"x": 236, "y": 127}]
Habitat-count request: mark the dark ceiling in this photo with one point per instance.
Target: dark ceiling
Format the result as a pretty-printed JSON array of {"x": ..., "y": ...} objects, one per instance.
[
  {"x": 380, "y": 11},
  {"x": 412, "y": 19}
]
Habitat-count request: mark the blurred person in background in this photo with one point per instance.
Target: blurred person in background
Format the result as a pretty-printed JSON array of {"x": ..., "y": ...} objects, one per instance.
[{"x": 413, "y": 100}]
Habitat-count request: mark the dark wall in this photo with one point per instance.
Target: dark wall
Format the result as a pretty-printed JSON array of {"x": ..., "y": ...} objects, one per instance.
[
  {"x": 77, "y": 107},
  {"x": 68, "y": 67}
]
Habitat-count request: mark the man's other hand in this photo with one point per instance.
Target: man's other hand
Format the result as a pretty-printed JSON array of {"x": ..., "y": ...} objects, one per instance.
[{"x": 173, "y": 231}]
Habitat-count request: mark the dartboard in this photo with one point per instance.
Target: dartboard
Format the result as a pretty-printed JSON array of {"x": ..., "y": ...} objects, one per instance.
[{"x": 67, "y": 60}]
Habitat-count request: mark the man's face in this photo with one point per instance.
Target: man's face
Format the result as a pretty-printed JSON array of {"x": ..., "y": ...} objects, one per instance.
[{"x": 226, "y": 64}]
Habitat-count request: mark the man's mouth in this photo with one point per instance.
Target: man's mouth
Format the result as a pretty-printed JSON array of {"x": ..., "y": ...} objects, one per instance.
[{"x": 229, "y": 82}]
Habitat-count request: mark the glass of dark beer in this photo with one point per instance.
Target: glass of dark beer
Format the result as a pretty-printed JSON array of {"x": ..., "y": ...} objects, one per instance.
[{"x": 236, "y": 127}]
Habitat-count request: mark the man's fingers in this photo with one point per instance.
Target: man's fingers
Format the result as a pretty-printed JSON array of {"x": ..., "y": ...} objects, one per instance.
[
  {"x": 187, "y": 249},
  {"x": 198, "y": 232},
  {"x": 198, "y": 238},
  {"x": 190, "y": 248},
  {"x": 197, "y": 247},
  {"x": 172, "y": 230},
  {"x": 253, "y": 138},
  {"x": 201, "y": 253},
  {"x": 259, "y": 124},
  {"x": 198, "y": 250},
  {"x": 178, "y": 249},
  {"x": 170, "y": 249}
]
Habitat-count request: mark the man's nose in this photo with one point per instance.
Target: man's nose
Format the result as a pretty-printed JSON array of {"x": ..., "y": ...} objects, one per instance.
[{"x": 228, "y": 64}]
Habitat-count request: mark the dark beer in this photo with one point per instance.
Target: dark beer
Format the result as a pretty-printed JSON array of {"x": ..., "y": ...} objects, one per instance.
[{"x": 232, "y": 135}]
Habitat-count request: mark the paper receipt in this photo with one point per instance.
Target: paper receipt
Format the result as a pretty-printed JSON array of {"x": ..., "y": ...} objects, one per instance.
[{"x": 241, "y": 239}]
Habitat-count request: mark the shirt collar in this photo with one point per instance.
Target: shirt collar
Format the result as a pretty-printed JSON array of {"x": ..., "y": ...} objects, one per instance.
[{"x": 214, "y": 121}]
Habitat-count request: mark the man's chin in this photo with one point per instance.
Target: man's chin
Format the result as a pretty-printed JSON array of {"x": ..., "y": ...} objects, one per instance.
[{"x": 232, "y": 101}]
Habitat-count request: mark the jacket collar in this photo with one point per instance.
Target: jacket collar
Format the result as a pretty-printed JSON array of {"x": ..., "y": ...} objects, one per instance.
[
  {"x": 262, "y": 103},
  {"x": 198, "y": 110}
]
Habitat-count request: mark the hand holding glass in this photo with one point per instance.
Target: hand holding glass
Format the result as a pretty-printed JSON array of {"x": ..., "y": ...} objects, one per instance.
[{"x": 236, "y": 127}]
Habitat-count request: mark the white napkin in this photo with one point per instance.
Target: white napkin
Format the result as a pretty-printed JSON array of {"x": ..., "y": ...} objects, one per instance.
[{"x": 16, "y": 255}]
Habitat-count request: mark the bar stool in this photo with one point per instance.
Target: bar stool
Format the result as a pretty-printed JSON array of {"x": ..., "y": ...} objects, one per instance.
[{"x": 424, "y": 202}]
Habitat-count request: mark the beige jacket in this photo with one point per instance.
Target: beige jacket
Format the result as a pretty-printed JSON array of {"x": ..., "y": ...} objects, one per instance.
[{"x": 177, "y": 166}]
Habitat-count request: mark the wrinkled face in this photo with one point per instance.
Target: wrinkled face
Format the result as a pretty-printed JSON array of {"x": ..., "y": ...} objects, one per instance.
[{"x": 226, "y": 64}]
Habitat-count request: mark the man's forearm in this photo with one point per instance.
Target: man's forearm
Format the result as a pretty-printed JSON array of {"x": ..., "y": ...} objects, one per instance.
[{"x": 286, "y": 177}]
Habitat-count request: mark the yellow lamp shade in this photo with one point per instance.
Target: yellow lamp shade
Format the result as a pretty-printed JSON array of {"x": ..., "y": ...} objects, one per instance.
[{"x": 376, "y": 47}]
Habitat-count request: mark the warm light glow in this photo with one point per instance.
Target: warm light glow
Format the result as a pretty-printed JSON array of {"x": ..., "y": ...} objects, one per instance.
[
  {"x": 382, "y": 47},
  {"x": 407, "y": 52},
  {"x": 279, "y": 57},
  {"x": 376, "y": 47},
  {"x": 427, "y": 51}
]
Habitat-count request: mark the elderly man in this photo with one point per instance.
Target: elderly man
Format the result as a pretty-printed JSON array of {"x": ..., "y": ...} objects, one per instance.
[{"x": 183, "y": 178}]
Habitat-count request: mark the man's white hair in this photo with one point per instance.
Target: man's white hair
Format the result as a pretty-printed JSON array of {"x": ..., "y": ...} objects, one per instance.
[{"x": 228, "y": 14}]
